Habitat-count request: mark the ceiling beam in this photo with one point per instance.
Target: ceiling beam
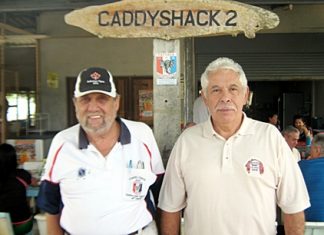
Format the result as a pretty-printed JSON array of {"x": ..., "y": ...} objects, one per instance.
[
  {"x": 50, "y": 5},
  {"x": 13, "y": 29}
]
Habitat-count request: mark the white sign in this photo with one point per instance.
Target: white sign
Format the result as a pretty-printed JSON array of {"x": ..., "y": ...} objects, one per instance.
[{"x": 172, "y": 19}]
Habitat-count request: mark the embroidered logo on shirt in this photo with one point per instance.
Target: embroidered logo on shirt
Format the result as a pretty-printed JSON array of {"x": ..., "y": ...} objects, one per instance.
[
  {"x": 82, "y": 172},
  {"x": 254, "y": 167},
  {"x": 137, "y": 186}
]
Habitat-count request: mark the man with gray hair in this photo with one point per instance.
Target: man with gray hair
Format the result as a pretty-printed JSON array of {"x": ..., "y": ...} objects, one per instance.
[
  {"x": 313, "y": 173},
  {"x": 227, "y": 174},
  {"x": 291, "y": 135}
]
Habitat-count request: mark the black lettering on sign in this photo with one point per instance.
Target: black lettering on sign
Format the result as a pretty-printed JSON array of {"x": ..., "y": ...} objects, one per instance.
[
  {"x": 212, "y": 16},
  {"x": 115, "y": 19},
  {"x": 101, "y": 20},
  {"x": 189, "y": 19},
  {"x": 127, "y": 18},
  {"x": 231, "y": 21},
  {"x": 175, "y": 17},
  {"x": 138, "y": 18},
  {"x": 165, "y": 16},
  {"x": 199, "y": 22},
  {"x": 153, "y": 16}
]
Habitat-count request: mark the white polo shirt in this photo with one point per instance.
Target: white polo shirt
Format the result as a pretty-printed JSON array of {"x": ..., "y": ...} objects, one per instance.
[
  {"x": 296, "y": 154},
  {"x": 102, "y": 195},
  {"x": 232, "y": 186}
]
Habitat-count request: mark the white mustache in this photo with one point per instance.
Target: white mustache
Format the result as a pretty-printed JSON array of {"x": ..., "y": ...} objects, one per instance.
[{"x": 225, "y": 107}]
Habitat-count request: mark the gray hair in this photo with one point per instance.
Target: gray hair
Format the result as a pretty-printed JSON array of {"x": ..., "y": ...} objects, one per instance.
[
  {"x": 318, "y": 140},
  {"x": 290, "y": 129},
  {"x": 223, "y": 63}
]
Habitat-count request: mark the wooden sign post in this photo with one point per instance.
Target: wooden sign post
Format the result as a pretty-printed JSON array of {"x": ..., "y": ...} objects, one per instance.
[
  {"x": 172, "y": 19},
  {"x": 167, "y": 21}
]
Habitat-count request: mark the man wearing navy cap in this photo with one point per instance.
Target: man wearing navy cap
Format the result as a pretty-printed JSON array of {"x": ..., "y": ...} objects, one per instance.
[{"x": 102, "y": 175}]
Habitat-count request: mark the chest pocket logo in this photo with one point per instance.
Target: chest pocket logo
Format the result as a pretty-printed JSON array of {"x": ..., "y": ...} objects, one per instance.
[
  {"x": 137, "y": 183},
  {"x": 254, "y": 167}
]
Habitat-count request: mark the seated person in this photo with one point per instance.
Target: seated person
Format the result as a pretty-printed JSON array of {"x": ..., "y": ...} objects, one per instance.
[
  {"x": 13, "y": 184},
  {"x": 305, "y": 131},
  {"x": 273, "y": 119},
  {"x": 291, "y": 135},
  {"x": 313, "y": 173}
]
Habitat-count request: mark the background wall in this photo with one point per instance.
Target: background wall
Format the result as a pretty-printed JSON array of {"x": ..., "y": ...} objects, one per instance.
[
  {"x": 20, "y": 62},
  {"x": 319, "y": 98},
  {"x": 70, "y": 50}
]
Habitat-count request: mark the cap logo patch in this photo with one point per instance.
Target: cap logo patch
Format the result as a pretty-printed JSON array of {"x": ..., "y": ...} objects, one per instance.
[
  {"x": 95, "y": 75},
  {"x": 95, "y": 79}
]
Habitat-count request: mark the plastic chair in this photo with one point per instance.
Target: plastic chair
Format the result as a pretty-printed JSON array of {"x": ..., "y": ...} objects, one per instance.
[
  {"x": 5, "y": 224},
  {"x": 314, "y": 228},
  {"x": 41, "y": 223}
]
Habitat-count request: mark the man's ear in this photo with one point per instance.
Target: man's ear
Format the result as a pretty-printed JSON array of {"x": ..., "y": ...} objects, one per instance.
[
  {"x": 117, "y": 102},
  {"x": 74, "y": 100},
  {"x": 248, "y": 96}
]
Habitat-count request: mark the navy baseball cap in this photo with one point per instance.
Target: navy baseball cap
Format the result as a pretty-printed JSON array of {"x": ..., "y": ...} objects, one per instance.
[{"x": 93, "y": 80}]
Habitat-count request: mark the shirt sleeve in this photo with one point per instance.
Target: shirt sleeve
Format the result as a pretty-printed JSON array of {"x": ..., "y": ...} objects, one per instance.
[
  {"x": 172, "y": 196},
  {"x": 49, "y": 197},
  {"x": 157, "y": 164}
]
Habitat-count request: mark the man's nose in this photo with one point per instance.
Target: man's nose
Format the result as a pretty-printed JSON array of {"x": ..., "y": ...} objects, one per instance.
[
  {"x": 93, "y": 105},
  {"x": 225, "y": 96}
]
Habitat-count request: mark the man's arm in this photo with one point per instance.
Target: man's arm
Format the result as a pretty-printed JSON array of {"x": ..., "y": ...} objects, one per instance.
[
  {"x": 294, "y": 223},
  {"x": 53, "y": 224},
  {"x": 170, "y": 223}
]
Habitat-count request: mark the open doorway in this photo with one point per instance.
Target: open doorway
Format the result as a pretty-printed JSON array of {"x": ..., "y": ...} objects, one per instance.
[{"x": 286, "y": 98}]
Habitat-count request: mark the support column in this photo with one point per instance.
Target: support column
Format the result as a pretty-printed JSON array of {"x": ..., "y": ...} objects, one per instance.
[
  {"x": 2, "y": 92},
  {"x": 190, "y": 84},
  {"x": 167, "y": 99}
]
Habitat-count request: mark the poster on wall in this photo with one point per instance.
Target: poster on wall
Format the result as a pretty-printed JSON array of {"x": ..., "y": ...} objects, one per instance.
[
  {"x": 28, "y": 149},
  {"x": 25, "y": 150},
  {"x": 52, "y": 80},
  {"x": 145, "y": 104},
  {"x": 166, "y": 68}
]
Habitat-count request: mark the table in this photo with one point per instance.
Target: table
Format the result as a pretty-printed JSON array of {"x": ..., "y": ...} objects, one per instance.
[{"x": 32, "y": 193}]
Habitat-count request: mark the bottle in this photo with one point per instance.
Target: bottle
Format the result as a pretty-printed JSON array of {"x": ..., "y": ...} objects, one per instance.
[
  {"x": 308, "y": 141},
  {"x": 308, "y": 146}
]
